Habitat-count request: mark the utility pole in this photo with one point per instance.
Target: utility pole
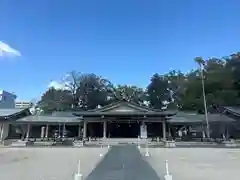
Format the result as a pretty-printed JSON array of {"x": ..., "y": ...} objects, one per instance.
[{"x": 201, "y": 63}]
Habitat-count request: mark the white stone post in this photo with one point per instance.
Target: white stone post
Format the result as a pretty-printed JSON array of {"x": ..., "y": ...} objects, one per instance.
[
  {"x": 78, "y": 175},
  {"x": 28, "y": 132},
  {"x": 146, "y": 149},
  {"x": 46, "y": 133},
  {"x": 105, "y": 129},
  {"x": 138, "y": 142},
  {"x": 84, "y": 129},
  {"x": 167, "y": 176},
  {"x": 164, "y": 129}
]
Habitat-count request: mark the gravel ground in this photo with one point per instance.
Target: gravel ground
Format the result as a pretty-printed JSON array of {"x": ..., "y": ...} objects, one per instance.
[
  {"x": 47, "y": 163},
  {"x": 196, "y": 163},
  {"x": 122, "y": 163}
]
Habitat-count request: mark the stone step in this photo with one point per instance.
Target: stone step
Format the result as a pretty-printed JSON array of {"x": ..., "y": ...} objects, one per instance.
[
  {"x": 20, "y": 143},
  {"x": 43, "y": 143},
  {"x": 78, "y": 143}
]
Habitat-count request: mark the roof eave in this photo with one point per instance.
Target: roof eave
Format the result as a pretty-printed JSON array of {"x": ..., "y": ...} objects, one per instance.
[
  {"x": 106, "y": 114},
  {"x": 231, "y": 111}
]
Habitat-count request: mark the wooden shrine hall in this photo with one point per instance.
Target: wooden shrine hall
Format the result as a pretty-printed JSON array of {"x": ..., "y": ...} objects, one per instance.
[{"x": 122, "y": 119}]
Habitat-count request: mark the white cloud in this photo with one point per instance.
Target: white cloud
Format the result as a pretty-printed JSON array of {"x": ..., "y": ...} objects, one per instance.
[
  {"x": 6, "y": 50},
  {"x": 56, "y": 85}
]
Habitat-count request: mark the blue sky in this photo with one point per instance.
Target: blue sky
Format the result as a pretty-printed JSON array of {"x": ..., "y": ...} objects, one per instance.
[{"x": 125, "y": 41}]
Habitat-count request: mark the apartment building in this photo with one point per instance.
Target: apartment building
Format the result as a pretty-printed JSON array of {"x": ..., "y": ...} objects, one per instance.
[{"x": 7, "y": 100}]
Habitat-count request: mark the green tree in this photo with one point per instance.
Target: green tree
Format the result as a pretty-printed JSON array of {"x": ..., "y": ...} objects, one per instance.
[
  {"x": 72, "y": 83},
  {"x": 55, "y": 100},
  {"x": 221, "y": 79},
  {"x": 93, "y": 90},
  {"x": 218, "y": 81},
  {"x": 176, "y": 86},
  {"x": 129, "y": 93},
  {"x": 233, "y": 66},
  {"x": 157, "y": 91}
]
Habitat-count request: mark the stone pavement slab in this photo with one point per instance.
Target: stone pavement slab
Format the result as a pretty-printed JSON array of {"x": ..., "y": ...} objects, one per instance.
[{"x": 123, "y": 163}]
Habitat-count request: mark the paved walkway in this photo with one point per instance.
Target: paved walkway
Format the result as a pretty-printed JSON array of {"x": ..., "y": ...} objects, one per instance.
[{"x": 123, "y": 163}]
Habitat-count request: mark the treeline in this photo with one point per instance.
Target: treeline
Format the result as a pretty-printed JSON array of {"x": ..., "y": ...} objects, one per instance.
[{"x": 172, "y": 90}]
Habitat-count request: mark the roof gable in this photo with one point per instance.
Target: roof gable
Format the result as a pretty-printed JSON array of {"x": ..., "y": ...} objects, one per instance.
[{"x": 123, "y": 106}]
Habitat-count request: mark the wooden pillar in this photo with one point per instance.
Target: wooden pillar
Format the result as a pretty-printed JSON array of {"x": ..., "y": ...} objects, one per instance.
[
  {"x": 59, "y": 130},
  {"x": 28, "y": 131},
  {"x": 64, "y": 130},
  {"x": 46, "y": 133},
  {"x": 227, "y": 131},
  {"x": 42, "y": 132},
  {"x": 79, "y": 130},
  {"x": 2, "y": 131},
  {"x": 169, "y": 131},
  {"x": 203, "y": 131},
  {"x": 164, "y": 129},
  {"x": 143, "y": 130},
  {"x": 105, "y": 129},
  {"x": 84, "y": 129}
]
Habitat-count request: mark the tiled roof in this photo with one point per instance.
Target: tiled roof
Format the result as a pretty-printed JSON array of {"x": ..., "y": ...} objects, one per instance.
[
  {"x": 233, "y": 110},
  {"x": 63, "y": 113},
  {"x": 187, "y": 117},
  {"x": 49, "y": 119},
  {"x": 70, "y": 116},
  {"x": 8, "y": 112}
]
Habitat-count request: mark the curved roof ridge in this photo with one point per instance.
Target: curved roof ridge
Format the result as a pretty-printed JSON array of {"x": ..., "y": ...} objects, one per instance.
[
  {"x": 104, "y": 107},
  {"x": 124, "y": 101}
]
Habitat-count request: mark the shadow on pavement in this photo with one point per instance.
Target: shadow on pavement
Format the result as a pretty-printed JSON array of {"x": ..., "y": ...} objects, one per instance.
[{"x": 123, "y": 163}]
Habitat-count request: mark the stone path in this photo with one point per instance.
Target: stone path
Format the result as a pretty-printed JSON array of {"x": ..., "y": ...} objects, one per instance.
[{"x": 123, "y": 163}]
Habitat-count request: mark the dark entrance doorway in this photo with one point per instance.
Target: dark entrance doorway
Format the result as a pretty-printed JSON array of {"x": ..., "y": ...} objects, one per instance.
[
  {"x": 123, "y": 129},
  {"x": 95, "y": 129},
  {"x": 154, "y": 129}
]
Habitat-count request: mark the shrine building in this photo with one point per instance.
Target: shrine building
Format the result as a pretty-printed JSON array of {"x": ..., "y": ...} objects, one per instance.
[{"x": 122, "y": 119}]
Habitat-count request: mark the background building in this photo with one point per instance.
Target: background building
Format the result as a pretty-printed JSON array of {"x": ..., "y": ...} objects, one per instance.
[
  {"x": 22, "y": 104},
  {"x": 7, "y": 100}
]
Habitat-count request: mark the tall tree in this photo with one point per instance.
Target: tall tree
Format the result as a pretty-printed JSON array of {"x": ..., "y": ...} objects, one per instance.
[
  {"x": 221, "y": 79},
  {"x": 233, "y": 66},
  {"x": 93, "y": 90},
  {"x": 218, "y": 81},
  {"x": 55, "y": 100},
  {"x": 176, "y": 86},
  {"x": 158, "y": 92},
  {"x": 129, "y": 93},
  {"x": 72, "y": 83}
]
